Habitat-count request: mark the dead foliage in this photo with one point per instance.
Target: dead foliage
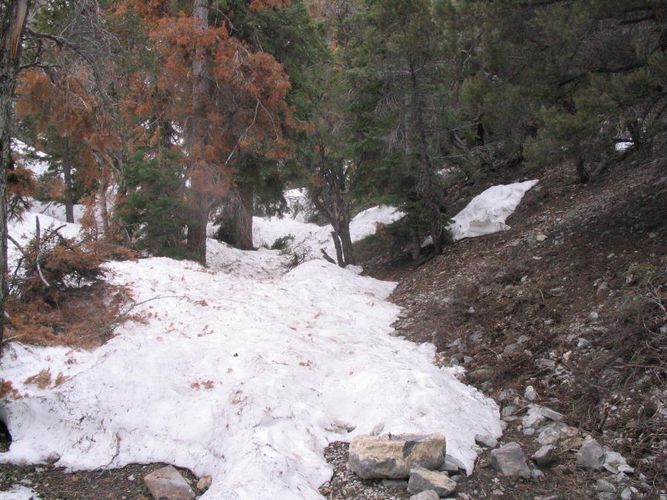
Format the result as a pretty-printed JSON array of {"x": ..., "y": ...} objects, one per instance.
[{"x": 57, "y": 295}]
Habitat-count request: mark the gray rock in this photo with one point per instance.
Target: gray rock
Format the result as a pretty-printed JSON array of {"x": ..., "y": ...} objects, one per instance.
[
  {"x": 545, "y": 455},
  {"x": 168, "y": 484},
  {"x": 509, "y": 460},
  {"x": 551, "y": 433},
  {"x": 529, "y": 431},
  {"x": 395, "y": 483},
  {"x": 604, "y": 486},
  {"x": 537, "y": 414},
  {"x": 629, "y": 493},
  {"x": 536, "y": 474},
  {"x": 530, "y": 393},
  {"x": 604, "y": 495},
  {"x": 591, "y": 455},
  {"x": 424, "y": 480},
  {"x": 545, "y": 364},
  {"x": 426, "y": 495},
  {"x": 508, "y": 411},
  {"x": 392, "y": 456},
  {"x": 486, "y": 440},
  {"x": 452, "y": 464}
]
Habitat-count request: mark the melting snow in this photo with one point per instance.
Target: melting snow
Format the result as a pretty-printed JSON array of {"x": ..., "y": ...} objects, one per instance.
[
  {"x": 241, "y": 371},
  {"x": 488, "y": 211}
]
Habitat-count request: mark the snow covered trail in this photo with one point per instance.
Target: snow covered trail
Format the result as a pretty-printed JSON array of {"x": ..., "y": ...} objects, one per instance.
[{"x": 244, "y": 373}]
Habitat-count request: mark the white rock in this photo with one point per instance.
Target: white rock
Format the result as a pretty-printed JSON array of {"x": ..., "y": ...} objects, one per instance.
[
  {"x": 486, "y": 440},
  {"x": 530, "y": 393},
  {"x": 168, "y": 483}
]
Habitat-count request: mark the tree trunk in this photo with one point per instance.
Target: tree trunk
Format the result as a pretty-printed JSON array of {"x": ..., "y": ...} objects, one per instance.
[
  {"x": 195, "y": 141},
  {"x": 13, "y": 17},
  {"x": 237, "y": 216},
  {"x": 426, "y": 184},
  {"x": 69, "y": 191}
]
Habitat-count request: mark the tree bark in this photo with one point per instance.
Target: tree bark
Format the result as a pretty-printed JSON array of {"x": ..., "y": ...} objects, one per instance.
[
  {"x": 196, "y": 137},
  {"x": 237, "y": 216},
  {"x": 426, "y": 184},
  {"x": 13, "y": 17},
  {"x": 69, "y": 191}
]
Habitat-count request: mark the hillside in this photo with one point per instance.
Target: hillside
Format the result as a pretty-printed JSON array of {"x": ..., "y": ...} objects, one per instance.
[{"x": 569, "y": 301}]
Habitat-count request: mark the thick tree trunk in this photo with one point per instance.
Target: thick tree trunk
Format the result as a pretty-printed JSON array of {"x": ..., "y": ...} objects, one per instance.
[
  {"x": 13, "y": 16},
  {"x": 237, "y": 216},
  {"x": 427, "y": 175},
  {"x": 196, "y": 140}
]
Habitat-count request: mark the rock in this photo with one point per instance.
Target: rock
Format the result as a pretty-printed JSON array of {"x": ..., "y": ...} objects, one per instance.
[
  {"x": 603, "y": 290},
  {"x": 538, "y": 414},
  {"x": 426, "y": 495},
  {"x": 204, "y": 483},
  {"x": 541, "y": 237},
  {"x": 551, "y": 433},
  {"x": 480, "y": 375},
  {"x": 615, "y": 462},
  {"x": 604, "y": 486},
  {"x": 392, "y": 456},
  {"x": 508, "y": 411},
  {"x": 591, "y": 455},
  {"x": 536, "y": 474},
  {"x": 605, "y": 495},
  {"x": 529, "y": 431},
  {"x": 452, "y": 464},
  {"x": 629, "y": 493},
  {"x": 545, "y": 455},
  {"x": 593, "y": 316},
  {"x": 545, "y": 364},
  {"x": 486, "y": 440},
  {"x": 424, "y": 480},
  {"x": 168, "y": 484},
  {"x": 395, "y": 483},
  {"x": 509, "y": 460},
  {"x": 530, "y": 393}
]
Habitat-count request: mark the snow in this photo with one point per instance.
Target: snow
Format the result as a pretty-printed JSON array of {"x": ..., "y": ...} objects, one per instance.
[
  {"x": 242, "y": 371},
  {"x": 487, "y": 212},
  {"x": 31, "y": 158},
  {"x": 19, "y": 492},
  {"x": 310, "y": 238}
]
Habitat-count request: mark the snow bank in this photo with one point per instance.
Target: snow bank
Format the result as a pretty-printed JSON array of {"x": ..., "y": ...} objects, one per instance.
[
  {"x": 241, "y": 371},
  {"x": 31, "y": 159},
  {"x": 244, "y": 379},
  {"x": 488, "y": 211}
]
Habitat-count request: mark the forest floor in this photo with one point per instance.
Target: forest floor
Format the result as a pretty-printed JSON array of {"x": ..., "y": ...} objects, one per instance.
[{"x": 582, "y": 275}]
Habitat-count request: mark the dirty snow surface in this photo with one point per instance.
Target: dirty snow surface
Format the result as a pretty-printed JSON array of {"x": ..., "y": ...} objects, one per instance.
[
  {"x": 244, "y": 371},
  {"x": 487, "y": 212}
]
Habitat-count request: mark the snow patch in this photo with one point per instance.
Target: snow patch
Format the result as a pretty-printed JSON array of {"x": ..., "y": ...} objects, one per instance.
[
  {"x": 19, "y": 492},
  {"x": 487, "y": 212}
]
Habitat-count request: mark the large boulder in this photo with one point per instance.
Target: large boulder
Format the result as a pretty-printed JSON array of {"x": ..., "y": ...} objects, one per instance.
[
  {"x": 392, "y": 456},
  {"x": 426, "y": 480},
  {"x": 510, "y": 461},
  {"x": 168, "y": 484}
]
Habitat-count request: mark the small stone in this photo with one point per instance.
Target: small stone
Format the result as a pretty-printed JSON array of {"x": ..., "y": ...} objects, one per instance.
[
  {"x": 545, "y": 364},
  {"x": 541, "y": 237},
  {"x": 530, "y": 393},
  {"x": 508, "y": 411},
  {"x": 486, "y": 440},
  {"x": 538, "y": 414},
  {"x": 603, "y": 290},
  {"x": 604, "y": 486},
  {"x": 509, "y": 460},
  {"x": 204, "y": 483},
  {"x": 551, "y": 433},
  {"x": 130, "y": 477},
  {"x": 426, "y": 495},
  {"x": 528, "y": 431},
  {"x": 395, "y": 483},
  {"x": 536, "y": 474},
  {"x": 593, "y": 316},
  {"x": 583, "y": 343},
  {"x": 424, "y": 480},
  {"x": 629, "y": 493},
  {"x": 591, "y": 455},
  {"x": 545, "y": 455},
  {"x": 605, "y": 495},
  {"x": 452, "y": 464},
  {"x": 167, "y": 483}
]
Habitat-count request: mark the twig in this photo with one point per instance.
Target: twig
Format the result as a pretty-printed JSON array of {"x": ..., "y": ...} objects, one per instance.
[{"x": 39, "y": 252}]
